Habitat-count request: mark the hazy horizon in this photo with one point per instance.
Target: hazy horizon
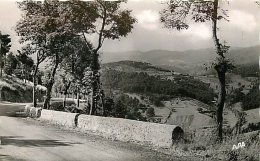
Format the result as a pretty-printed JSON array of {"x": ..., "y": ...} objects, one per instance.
[{"x": 143, "y": 51}]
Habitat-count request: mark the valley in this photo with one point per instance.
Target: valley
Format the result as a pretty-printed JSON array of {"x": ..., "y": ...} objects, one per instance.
[{"x": 188, "y": 111}]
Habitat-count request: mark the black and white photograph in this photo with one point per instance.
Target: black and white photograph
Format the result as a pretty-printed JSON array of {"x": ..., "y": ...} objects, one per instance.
[{"x": 129, "y": 80}]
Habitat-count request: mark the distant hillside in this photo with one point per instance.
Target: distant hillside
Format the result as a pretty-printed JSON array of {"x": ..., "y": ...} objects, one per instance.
[
  {"x": 133, "y": 66},
  {"x": 157, "y": 86},
  {"x": 190, "y": 61}
]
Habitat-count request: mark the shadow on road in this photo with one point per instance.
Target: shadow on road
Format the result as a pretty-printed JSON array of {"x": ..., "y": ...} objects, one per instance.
[
  {"x": 9, "y": 158},
  {"x": 16, "y": 141}
]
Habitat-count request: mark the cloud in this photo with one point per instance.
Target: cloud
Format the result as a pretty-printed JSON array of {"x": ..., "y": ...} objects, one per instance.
[
  {"x": 198, "y": 30},
  {"x": 242, "y": 20},
  {"x": 148, "y": 19}
]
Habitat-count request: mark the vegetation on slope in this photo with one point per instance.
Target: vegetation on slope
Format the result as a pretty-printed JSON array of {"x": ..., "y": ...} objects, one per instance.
[
  {"x": 15, "y": 90},
  {"x": 125, "y": 65},
  {"x": 143, "y": 83},
  {"x": 123, "y": 106},
  {"x": 247, "y": 70},
  {"x": 251, "y": 100}
]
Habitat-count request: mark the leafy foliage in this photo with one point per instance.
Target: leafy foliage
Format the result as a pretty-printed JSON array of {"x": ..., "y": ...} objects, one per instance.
[
  {"x": 236, "y": 96},
  {"x": 177, "y": 11},
  {"x": 106, "y": 20},
  {"x": 5, "y": 45},
  {"x": 53, "y": 27},
  {"x": 11, "y": 64},
  {"x": 150, "y": 112},
  {"x": 5, "y": 42}
]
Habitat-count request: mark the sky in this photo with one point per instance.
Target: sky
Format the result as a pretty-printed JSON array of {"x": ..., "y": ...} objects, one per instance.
[{"x": 148, "y": 34}]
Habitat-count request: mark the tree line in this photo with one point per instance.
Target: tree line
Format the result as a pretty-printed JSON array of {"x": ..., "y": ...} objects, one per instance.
[
  {"x": 154, "y": 85},
  {"x": 247, "y": 70},
  {"x": 19, "y": 63}
]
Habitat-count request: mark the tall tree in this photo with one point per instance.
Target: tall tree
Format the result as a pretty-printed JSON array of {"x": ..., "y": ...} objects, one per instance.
[
  {"x": 5, "y": 45},
  {"x": 175, "y": 15},
  {"x": 75, "y": 64},
  {"x": 42, "y": 25},
  {"x": 106, "y": 20},
  {"x": 30, "y": 28},
  {"x": 59, "y": 50}
]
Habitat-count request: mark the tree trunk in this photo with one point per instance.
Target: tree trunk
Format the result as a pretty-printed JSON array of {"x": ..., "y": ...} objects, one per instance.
[
  {"x": 221, "y": 70},
  {"x": 78, "y": 94},
  {"x": 95, "y": 84},
  {"x": 48, "y": 95},
  {"x": 1, "y": 64},
  {"x": 50, "y": 85},
  {"x": 64, "y": 99},
  {"x": 34, "y": 84},
  {"x": 91, "y": 110},
  {"x": 65, "y": 94},
  {"x": 221, "y": 102},
  {"x": 23, "y": 73},
  {"x": 1, "y": 94},
  {"x": 34, "y": 93}
]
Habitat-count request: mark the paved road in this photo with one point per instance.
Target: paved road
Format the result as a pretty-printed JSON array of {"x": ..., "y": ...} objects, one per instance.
[{"x": 24, "y": 139}]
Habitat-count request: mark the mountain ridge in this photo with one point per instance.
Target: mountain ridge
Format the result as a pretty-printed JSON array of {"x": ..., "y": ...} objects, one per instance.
[{"x": 188, "y": 62}]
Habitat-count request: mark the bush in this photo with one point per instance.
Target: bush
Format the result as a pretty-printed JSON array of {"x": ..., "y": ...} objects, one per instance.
[
  {"x": 150, "y": 112},
  {"x": 236, "y": 96},
  {"x": 199, "y": 109},
  {"x": 119, "y": 109},
  {"x": 157, "y": 100},
  {"x": 58, "y": 105},
  {"x": 123, "y": 106},
  {"x": 233, "y": 156}
]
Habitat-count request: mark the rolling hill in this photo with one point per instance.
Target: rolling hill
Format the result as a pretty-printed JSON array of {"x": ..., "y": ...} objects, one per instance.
[
  {"x": 144, "y": 80},
  {"x": 186, "y": 62}
]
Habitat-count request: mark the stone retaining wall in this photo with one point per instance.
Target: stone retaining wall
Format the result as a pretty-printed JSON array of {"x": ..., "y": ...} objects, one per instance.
[{"x": 161, "y": 135}]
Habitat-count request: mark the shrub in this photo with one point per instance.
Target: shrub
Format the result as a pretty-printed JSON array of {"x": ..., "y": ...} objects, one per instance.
[
  {"x": 199, "y": 109},
  {"x": 185, "y": 148},
  {"x": 150, "y": 112},
  {"x": 236, "y": 96},
  {"x": 58, "y": 105},
  {"x": 232, "y": 156}
]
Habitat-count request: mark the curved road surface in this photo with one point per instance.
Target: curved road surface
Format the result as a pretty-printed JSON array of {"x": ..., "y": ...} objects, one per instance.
[{"x": 24, "y": 139}]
